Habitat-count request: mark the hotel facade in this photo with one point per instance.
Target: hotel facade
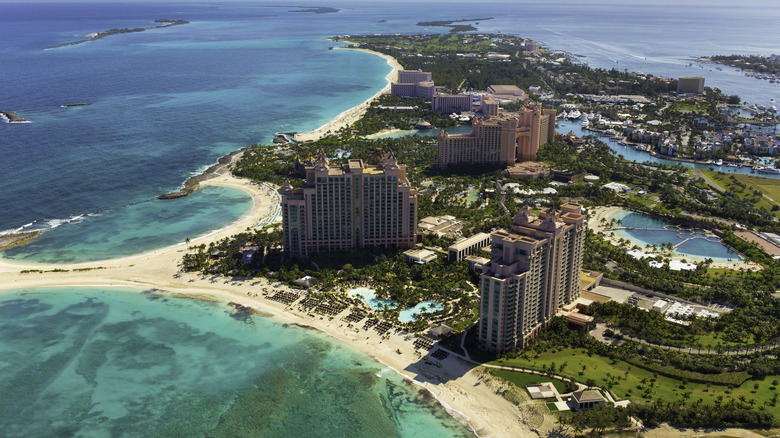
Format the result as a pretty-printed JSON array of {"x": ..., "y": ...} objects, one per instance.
[
  {"x": 534, "y": 271},
  {"x": 347, "y": 207},
  {"x": 502, "y": 139}
]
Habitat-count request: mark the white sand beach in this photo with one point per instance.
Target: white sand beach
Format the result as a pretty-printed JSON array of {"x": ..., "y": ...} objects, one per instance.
[
  {"x": 455, "y": 384},
  {"x": 353, "y": 114}
]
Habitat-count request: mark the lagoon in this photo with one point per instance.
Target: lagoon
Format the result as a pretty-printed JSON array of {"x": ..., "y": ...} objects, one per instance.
[{"x": 694, "y": 244}]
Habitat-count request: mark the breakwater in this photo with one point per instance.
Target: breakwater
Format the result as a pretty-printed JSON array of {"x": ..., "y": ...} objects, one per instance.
[{"x": 222, "y": 166}]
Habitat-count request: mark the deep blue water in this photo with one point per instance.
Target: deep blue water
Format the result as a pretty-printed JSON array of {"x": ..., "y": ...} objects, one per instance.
[{"x": 166, "y": 103}]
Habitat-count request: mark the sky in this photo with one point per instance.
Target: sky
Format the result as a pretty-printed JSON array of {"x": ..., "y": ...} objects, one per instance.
[{"x": 711, "y": 3}]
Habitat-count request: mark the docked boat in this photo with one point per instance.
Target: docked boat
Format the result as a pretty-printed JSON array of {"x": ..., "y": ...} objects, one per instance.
[
  {"x": 585, "y": 123},
  {"x": 771, "y": 170},
  {"x": 719, "y": 163},
  {"x": 575, "y": 114}
]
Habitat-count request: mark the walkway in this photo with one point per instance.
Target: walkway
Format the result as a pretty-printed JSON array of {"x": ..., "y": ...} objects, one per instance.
[{"x": 598, "y": 334}]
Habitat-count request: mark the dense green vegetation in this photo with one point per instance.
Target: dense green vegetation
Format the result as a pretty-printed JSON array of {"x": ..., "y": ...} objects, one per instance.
[
  {"x": 378, "y": 117},
  {"x": 756, "y": 63},
  {"x": 631, "y": 371},
  {"x": 555, "y": 72}
]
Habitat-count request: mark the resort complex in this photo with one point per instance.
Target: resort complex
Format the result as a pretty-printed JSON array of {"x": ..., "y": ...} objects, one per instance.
[
  {"x": 533, "y": 273},
  {"x": 351, "y": 206},
  {"x": 503, "y": 139},
  {"x": 597, "y": 283}
]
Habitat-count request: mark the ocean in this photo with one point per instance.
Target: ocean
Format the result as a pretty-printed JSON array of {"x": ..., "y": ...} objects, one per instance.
[
  {"x": 120, "y": 362},
  {"x": 167, "y": 103}
]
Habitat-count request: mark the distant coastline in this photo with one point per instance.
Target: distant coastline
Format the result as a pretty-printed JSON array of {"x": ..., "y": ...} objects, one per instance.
[
  {"x": 163, "y": 22},
  {"x": 353, "y": 114},
  {"x": 316, "y": 10}
]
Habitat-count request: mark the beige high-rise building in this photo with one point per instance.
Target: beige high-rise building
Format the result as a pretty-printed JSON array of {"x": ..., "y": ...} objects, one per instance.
[
  {"x": 355, "y": 205},
  {"x": 503, "y": 139},
  {"x": 692, "y": 85},
  {"x": 534, "y": 271}
]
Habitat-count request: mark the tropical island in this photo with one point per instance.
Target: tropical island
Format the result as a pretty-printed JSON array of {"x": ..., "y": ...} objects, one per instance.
[
  {"x": 709, "y": 363},
  {"x": 455, "y": 27},
  {"x": 162, "y": 22}
]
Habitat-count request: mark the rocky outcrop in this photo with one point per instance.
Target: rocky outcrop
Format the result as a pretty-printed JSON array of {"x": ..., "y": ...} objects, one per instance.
[
  {"x": 12, "y": 117},
  {"x": 214, "y": 171},
  {"x": 17, "y": 239}
]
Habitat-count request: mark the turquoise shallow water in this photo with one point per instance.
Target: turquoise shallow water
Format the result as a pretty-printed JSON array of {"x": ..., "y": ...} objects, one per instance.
[
  {"x": 116, "y": 362},
  {"x": 410, "y": 314},
  {"x": 693, "y": 243},
  {"x": 136, "y": 228}
]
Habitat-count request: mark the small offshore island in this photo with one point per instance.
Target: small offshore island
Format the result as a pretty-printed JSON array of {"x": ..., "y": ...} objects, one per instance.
[
  {"x": 68, "y": 105},
  {"x": 455, "y": 27},
  {"x": 317, "y": 10},
  {"x": 12, "y": 117},
  {"x": 163, "y": 22}
]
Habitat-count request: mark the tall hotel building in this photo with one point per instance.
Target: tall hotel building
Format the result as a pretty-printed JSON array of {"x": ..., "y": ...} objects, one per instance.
[
  {"x": 534, "y": 271},
  {"x": 355, "y": 205},
  {"x": 414, "y": 83},
  {"x": 502, "y": 139}
]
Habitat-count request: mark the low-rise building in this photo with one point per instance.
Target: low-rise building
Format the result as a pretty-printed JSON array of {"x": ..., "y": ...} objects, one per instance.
[
  {"x": 441, "y": 226},
  {"x": 420, "y": 256},
  {"x": 468, "y": 245},
  {"x": 586, "y": 399}
]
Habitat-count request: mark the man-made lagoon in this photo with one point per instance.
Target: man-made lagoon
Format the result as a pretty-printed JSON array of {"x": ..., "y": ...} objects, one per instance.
[{"x": 691, "y": 243}]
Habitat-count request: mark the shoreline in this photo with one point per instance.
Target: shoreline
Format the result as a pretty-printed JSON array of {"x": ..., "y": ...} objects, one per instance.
[
  {"x": 459, "y": 390},
  {"x": 353, "y": 114}
]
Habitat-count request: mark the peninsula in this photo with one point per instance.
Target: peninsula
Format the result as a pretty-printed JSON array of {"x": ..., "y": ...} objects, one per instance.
[
  {"x": 162, "y": 22},
  {"x": 757, "y": 66}
]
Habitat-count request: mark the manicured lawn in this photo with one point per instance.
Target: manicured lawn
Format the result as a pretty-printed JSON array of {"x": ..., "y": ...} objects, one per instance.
[
  {"x": 551, "y": 406},
  {"x": 768, "y": 186},
  {"x": 639, "y": 384},
  {"x": 711, "y": 340},
  {"x": 522, "y": 379}
]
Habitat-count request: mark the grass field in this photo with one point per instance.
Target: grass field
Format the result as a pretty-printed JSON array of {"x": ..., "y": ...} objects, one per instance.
[
  {"x": 631, "y": 382},
  {"x": 522, "y": 379},
  {"x": 769, "y": 187}
]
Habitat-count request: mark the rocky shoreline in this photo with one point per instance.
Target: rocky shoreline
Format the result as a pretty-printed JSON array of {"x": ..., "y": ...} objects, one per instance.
[
  {"x": 12, "y": 117},
  {"x": 17, "y": 239},
  {"x": 222, "y": 166}
]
